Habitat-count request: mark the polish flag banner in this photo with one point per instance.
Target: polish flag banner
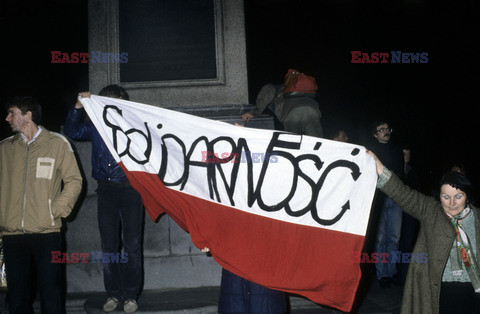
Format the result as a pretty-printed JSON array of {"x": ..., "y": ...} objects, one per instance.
[{"x": 283, "y": 210}]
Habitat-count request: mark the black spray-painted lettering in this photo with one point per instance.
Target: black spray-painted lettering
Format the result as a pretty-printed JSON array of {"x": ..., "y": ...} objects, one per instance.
[
  {"x": 217, "y": 178},
  {"x": 115, "y": 129}
]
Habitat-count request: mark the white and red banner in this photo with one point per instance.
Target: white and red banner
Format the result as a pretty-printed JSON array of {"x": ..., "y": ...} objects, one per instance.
[{"x": 285, "y": 211}]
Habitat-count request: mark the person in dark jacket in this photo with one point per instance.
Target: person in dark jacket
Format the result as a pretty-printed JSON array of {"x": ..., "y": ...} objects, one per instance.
[
  {"x": 241, "y": 296},
  {"x": 299, "y": 112},
  {"x": 238, "y": 295},
  {"x": 409, "y": 224},
  {"x": 120, "y": 210},
  {"x": 390, "y": 214}
]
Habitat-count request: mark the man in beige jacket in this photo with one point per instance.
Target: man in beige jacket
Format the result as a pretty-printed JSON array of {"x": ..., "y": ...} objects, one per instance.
[{"x": 39, "y": 184}]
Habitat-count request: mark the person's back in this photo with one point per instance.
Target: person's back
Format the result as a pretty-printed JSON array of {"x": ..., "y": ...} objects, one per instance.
[
  {"x": 298, "y": 111},
  {"x": 302, "y": 115}
]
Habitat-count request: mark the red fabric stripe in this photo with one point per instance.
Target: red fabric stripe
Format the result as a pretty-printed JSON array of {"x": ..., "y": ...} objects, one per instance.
[{"x": 313, "y": 262}]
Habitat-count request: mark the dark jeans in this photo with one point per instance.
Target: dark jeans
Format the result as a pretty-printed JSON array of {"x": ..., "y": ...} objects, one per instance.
[
  {"x": 388, "y": 236},
  {"x": 21, "y": 254},
  {"x": 120, "y": 220}
]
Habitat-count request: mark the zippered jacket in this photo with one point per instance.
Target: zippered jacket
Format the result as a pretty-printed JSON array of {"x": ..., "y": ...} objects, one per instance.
[
  {"x": 104, "y": 166},
  {"x": 39, "y": 183}
]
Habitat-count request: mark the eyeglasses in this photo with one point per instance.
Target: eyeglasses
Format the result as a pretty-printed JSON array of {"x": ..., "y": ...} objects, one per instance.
[{"x": 383, "y": 130}]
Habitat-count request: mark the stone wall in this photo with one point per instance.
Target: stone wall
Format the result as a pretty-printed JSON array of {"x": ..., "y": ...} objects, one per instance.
[{"x": 170, "y": 258}]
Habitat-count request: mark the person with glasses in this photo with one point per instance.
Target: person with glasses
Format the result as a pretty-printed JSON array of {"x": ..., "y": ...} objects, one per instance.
[{"x": 389, "y": 213}]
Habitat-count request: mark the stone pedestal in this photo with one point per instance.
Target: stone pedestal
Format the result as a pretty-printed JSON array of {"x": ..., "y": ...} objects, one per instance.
[
  {"x": 218, "y": 91},
  {"x": 141, "y": 34},
  {"x": 170, "y": 258}
]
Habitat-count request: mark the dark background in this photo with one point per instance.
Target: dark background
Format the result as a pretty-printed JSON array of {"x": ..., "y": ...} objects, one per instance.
[{"x": 432, "y": 107}]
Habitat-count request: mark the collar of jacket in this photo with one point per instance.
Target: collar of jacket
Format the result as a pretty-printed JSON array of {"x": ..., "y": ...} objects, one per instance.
[{"x": 42, "y": 137}]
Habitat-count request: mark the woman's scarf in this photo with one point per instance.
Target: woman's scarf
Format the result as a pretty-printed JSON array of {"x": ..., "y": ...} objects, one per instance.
[{"x": 464, "y": 252}]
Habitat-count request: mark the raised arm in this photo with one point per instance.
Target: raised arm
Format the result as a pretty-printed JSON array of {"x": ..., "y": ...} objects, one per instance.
[{"x": 75, "y": 125}]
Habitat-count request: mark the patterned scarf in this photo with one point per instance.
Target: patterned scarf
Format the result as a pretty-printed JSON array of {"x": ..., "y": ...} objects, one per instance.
[{"x": 464, "y": 252}]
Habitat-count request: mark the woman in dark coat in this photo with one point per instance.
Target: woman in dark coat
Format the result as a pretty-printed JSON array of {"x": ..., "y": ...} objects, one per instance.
[{"x": 449, "y": 280}]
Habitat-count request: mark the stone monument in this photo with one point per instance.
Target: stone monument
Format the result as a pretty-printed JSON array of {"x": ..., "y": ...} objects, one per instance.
[{"x": 185, "y": 55}]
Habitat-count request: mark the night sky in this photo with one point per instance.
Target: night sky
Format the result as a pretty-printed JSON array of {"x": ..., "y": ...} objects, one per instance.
[{"x": 433, "y": 106}]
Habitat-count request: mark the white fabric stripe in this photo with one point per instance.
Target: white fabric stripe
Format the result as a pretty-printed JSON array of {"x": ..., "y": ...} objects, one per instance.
[{"x": 339, "y": 177}]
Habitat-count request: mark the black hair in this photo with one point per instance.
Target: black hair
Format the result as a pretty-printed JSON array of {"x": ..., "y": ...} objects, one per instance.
[
  {"x": 114, "y": 91},
  {"x": 25, "y": 104},
  {"x": 458, "y": 181},
  {"x": 406, "y": 146},
  {"x": 376, "y": 124},
  {"x": 336, "y": 132}
]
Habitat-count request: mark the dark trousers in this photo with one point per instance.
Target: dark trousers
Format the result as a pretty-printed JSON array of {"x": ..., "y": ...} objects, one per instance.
[
  {"x": 459, "y": 297},
  {"x": 304, "y": 120},
  {"x": 21, "y": 254},
  {"x": 120, "y": 221},
  {"x": 408, "y": 238}
]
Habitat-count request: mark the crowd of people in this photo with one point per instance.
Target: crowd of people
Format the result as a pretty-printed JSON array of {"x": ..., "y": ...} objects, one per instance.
[
  {"x": 41, "y": 182},
  {"x": 441, "y": 224}
]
